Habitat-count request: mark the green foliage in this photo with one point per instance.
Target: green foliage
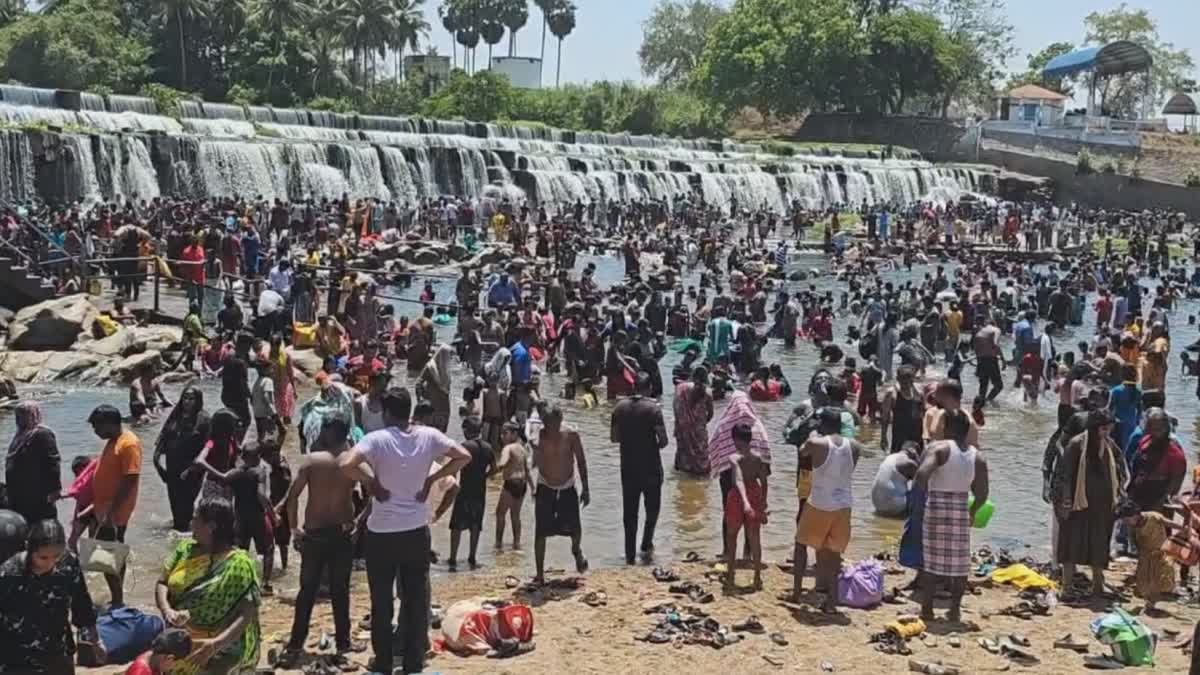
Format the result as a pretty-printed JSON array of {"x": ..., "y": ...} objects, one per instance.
[
  {"x": 165, "y": 98},
  {"x": 674, "y": 36},
  {"x": 909, "y": 54},
  {"x": 1083, "y": 163},
  {"x": 337, "y": 105},
  {"x": 1121, "y": 94},
  {"x": 1110, "y": 167},
  {"x": 81, "y": 45},
  {"x": 243, "y": 94},
  {"x": 1037, "y": 62},
  {"x": 481, "y": 97},
  {"x": 777, "y": 148},
  {"x": 395, "y": 98},
  {"x": 1193, "y": 179}
]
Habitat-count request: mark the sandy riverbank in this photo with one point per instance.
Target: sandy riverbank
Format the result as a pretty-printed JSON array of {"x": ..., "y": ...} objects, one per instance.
[{"x": 572, "y": 636}]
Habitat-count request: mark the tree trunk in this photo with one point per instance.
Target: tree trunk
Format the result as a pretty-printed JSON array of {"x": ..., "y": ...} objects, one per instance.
[
  {"x": 558, "y": 72},
  {"x": 453, "y": 53},
  {"x": 542, "y": 65},
  {"x": 512, "y": 43},
  {"x": 489, "y": 63},
  {"x": 182, "y": 52}
]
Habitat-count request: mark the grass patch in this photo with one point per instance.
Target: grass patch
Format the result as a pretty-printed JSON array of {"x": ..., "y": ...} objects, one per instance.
[{"x": 782, "y": 146}]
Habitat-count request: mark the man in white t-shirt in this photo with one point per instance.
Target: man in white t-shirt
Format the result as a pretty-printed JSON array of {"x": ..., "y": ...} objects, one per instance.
[{"x": 397, "y": 549}]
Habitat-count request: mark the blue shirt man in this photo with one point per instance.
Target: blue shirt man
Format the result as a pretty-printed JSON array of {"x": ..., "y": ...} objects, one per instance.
[
  {"x": 1023, "y": 336},
  {"x": 522, "y": 363},
  {"x": 503, "y": 292}
]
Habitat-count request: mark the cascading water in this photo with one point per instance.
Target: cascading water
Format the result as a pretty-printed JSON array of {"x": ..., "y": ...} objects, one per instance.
[
  {"x": 20, "y": 95},
  {"x": 224, "y": 111},
  {"x": 219, "y": 127},
  {"x": 125, "y": 168},
  {"x": 118, "y": 103},
  {"x": 233, "y": 168},
  {"x": 189, "y": 108},
  {"x": 90, "y": 101},
  {"x": 16, "y": 166},
  {"x": 77, "y": 169}
]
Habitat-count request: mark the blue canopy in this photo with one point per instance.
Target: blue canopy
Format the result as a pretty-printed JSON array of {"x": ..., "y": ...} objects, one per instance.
[{"x": 1114, "y": 58}]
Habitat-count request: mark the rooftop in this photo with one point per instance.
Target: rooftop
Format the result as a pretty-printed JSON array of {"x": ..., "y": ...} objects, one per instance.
[{"x": 1032, "y": 91}]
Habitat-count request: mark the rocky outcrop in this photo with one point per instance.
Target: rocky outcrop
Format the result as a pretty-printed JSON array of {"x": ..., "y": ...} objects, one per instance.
[
  {"x": 127, "y": 368},
  {"x": 54, "y": 324},
  {"x": 40, "y": 367}
]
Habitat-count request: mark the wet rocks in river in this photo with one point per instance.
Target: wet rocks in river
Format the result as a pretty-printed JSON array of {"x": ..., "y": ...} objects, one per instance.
[
  {"x": 127, "y": 368},
  {"x": 53, "y": 324}
]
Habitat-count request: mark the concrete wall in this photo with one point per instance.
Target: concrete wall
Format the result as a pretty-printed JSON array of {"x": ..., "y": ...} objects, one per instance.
[
  {"x": 1058, "y": 144},
  {"x": 936, "y": 139},
  {"x": 1099, "y": 189}
]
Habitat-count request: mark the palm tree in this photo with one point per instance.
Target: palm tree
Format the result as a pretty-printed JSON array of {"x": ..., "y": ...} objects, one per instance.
[
  {"x": 548, "y": 7},
  {"x": 408, "y": 27},
  {"x": 562, "y": 22},
  {"x": 470, "y": 15},
  {"x": 367, "y": 32},
  {"x": 448, "y": 13},
  {"x": 322, "y": 56},
  {"x": 490, "y": 27},
  {"x": 11, "y": 10},
  {"x": 277, "y": 17},
  {"x": 179, "y": 12},
  {"x": 514, "y": 14}
]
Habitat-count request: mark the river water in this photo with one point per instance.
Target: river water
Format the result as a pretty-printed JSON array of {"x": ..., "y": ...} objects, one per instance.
[{"x": 1014, "y": 437}]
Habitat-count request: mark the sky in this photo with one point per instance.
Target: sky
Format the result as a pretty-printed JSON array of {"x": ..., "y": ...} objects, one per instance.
[{"x": 608, "y": 33}]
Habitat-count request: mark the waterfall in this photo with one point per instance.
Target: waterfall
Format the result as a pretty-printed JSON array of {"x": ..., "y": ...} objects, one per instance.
[
  {"x": 139, "y": 104},
  {"x": 16, "y": 167},
  {"x": 400, "y": 179},
  {"x": 24, "y": 114},
  {"x": 128, "y": 121},
  {"x": 310, "y": 133},
  {"x": 289, "y": 116},
  {"x": 190, "y": 108},
  {"x": 224, "y": 111},
  {"x": 362, "y": 169},
  {"x": 220, "y": 127},
  {"x": 90, "y": 101},
  {"x": 233, "y": 168},
  {"x": 20, "y": 95},
  {"x": 125, "y": 168},
  {"x": 77, "y": 167}
]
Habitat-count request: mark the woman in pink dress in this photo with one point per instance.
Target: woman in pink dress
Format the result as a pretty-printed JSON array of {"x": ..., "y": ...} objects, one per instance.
[{"x": 284, "y": 378}]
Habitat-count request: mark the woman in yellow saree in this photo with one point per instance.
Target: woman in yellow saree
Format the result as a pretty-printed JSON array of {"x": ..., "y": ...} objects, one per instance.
[{"x": 212, "y": 589}]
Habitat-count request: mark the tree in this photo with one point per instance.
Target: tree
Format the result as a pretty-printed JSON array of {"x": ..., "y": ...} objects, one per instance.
[
  {"x": 484, "y": 96},
  {"x": 408, "y": 27},
  {"x": 82, "y": 45},
  {"x": 981, "y": 40},
  {"x": 367, "y": 31},
  {"x": 561, "y": 22},
  {"x": 673, "y": 38},
  {"x": 514, "y": 14},
  {"x": 277, "y": 17},
  {"x": 470, "y": 15},
  {"x": 909, "y": 54},
  {"x": 784, "y": 56},
  {"x": 450, "y": 21},
  {"x": 180, "y": 12},
  {"x": 1172, "y": 66},
  {"x": 1036, "y": 63},
  {"x": 547, "y": 7},
  {"x": 491, "y": 30},
  {"x": 11, "y": 10}
]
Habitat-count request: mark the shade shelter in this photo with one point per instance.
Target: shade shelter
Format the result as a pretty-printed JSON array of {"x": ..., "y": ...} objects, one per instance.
[
  {"x": 1187, "y": 106},
  {"x": 1114, "y": 58}
]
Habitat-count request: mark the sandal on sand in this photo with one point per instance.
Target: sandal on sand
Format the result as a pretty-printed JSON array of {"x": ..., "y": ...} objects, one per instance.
[
  {"x": 1068, "y": 641},
  {"x": 510, "y": 647},
  {"x": 1018, "y": 639},
  {"x": 693, "y": 557},
  {"x": 827, "y": 666},
  {"x": 779, "y": 639},
  {"x": 511, "y": 582},
  {"x": 595, "y": 599},
  {"x": 1102, "y": 662},
  {"x": 990, "y": 645},
  {"x": 664, "y": 575},
  {"x": 654, "y": 637},
  {"x": 954, "y": 640},
  {"x": 935, "y": 668},
  {"x": 1017, "y": 653},
  {"x": 773, "y": 660},
  {"x": 750, "y": 625}
]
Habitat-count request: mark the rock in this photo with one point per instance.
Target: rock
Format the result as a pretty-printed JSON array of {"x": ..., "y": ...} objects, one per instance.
[
  {"x": 6, "y": 317},
  {"x": 429, "y": 256},
  {"x": 157, "y": 336},
  {"x": 124, "y": 370},
  {"x": 178, "y": 377},
  {"x": 387, "y": 251},
  {"x": 458, "y": 252},
  {"x": 306, "y": 361},
  {"x": 53, "y": 324},
  {"x": 23, "y": 366},
  {"x": 121, "y": 343},
  {"x": 64, "y": 365}
]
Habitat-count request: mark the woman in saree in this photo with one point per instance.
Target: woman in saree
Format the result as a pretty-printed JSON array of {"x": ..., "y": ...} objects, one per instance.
[
  {"x": 179, "y": 444},
  {"x": 693, "y": 411},
  {"x": 284, "y": 377},
  {"x": 211, "y": 589},
  {"x": 32, "y": 465},
  {"x": 434, "y": 386}
]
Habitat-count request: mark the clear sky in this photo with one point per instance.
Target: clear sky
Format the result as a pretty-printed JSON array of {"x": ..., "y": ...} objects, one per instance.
[{"x": 608, "y": 32}]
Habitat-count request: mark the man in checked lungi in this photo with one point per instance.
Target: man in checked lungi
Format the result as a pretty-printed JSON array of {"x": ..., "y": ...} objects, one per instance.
[{"x": 951, "y": 468}]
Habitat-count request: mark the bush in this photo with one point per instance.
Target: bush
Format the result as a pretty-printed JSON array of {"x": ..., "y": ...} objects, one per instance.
[
  {"x": 243, "y": 94},
  {"x": 1192, "y": 180},
  {"x": 165, "y": 98},
  {"x": 337, "y": 105},
  {"x": 777, "y": 148},
  {"x": 1110, "y": 167},
  {"x": 1084, "y": 163}
]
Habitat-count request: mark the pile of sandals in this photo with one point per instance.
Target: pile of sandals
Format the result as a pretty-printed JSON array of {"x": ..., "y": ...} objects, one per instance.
[{"x": 688, "y": 625}]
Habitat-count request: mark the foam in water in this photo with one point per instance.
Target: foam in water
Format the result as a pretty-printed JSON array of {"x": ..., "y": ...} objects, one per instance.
[
  {"x": 290, "y": 116},
  {"x": 218, "y": 127}
]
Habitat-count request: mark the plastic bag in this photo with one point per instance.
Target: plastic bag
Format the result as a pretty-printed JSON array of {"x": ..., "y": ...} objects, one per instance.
[
  {"x": 1132, "y": 643},
  {"x": 861, "y": 584}
]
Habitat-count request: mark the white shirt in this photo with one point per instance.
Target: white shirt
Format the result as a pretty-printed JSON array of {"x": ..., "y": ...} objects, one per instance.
[
  {"x": 269, "y": 302},
  {"x": 401, "y": 459},
  {"x": 281, "y": 280}
]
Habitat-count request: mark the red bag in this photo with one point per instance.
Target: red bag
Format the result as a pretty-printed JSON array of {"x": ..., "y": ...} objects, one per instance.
[{"x": 513, "y": 622}]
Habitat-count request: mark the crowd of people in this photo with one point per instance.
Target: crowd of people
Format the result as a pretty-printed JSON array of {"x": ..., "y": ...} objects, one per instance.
[{"x": 717, "y": 284}]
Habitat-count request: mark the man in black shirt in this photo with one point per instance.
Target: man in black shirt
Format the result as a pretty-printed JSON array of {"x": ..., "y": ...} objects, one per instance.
[
  {"x": 235, "y": 382},
  {"x": 638, "y": 426}
]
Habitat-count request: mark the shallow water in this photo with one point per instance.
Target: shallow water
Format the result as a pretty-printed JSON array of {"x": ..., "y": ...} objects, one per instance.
[{"x": 1014, "y": 436}]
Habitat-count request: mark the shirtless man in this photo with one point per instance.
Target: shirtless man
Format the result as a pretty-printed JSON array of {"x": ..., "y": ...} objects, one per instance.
[
  {"x": 518, "y": 479},
  {"x": 556, "y": 503},
  {"x": 324, "y": 539}
]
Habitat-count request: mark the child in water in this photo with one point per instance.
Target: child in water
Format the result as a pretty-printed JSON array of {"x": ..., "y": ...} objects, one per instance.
[
  {"x": 746, "y": 504},
  {"x": 513, "y": 464}
]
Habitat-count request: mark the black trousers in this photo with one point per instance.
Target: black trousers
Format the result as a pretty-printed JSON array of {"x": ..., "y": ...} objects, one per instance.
[
  {"x": 398, "y": 564},
  {"x": 325, "y": 550},
  {"x": 181, "y": 494},
  {"x": 647, "y": 488}
]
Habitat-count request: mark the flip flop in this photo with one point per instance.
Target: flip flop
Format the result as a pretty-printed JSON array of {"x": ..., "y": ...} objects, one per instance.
[
  {"x": 1019, "y": 639},
  {"x": 827, "y": 667},
  {"x": 954, "y": 641},
  {"x": 773, "y": 660},
  {"x": 511, "y": 582},
  {"x": 779, "y": 639},
  {"x": 990, "y": 645},
  {"x": 693, "y": 557},
  {"x": 750, "y": 625},
  {"x": 595, "y": 599},
  {"x": 663, "y": 575},
  {"x": 1068, "y": 641},
  {"x": 1102, "y": 662}
]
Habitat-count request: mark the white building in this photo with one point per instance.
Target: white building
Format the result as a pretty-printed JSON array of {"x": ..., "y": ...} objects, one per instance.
[{"x": 523, "y": 71}]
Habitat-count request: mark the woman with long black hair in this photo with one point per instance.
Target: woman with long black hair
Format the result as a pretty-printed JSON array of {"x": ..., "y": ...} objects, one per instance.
[{"x": 179, "y": 444}]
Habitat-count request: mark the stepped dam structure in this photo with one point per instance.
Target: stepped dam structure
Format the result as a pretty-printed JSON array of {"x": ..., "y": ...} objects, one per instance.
[{"x": 62, "y": 146}]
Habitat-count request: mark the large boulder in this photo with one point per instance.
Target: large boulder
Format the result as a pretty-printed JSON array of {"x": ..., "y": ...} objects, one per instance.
[
  {"x": 429, "y": 256},
  {"x": 127, "y": 368},
  {"x": 65, "y": 365},
  {"x": 23, "y": 366},
  {"x": 53, "y": 324},
  {"x": 123, "y": 342},
  {"x": 157, "y": 336},
  {"x": 6, "y": 317}
]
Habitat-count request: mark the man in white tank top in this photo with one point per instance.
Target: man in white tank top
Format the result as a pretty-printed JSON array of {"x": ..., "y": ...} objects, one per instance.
[
  {"x": 825, "y": 522},
  {"x": 950, "y": 470}
]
